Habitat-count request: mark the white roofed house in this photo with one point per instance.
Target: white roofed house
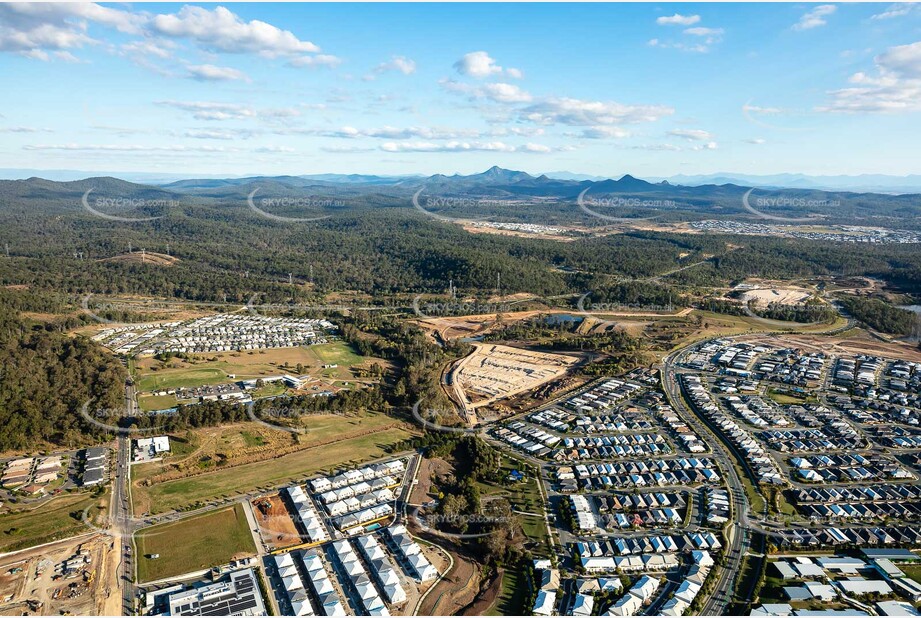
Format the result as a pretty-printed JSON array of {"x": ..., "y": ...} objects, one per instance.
[{"x": 545, "y": 603}]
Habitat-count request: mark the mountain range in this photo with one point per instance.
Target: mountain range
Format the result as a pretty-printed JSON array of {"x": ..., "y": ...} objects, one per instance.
[{"x": 867, "y": 183}]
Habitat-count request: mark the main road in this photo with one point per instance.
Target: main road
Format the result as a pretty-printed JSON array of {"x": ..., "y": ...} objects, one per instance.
[
  {"x": 738, "y": 532},
  {"x": 122, "y": 520}
]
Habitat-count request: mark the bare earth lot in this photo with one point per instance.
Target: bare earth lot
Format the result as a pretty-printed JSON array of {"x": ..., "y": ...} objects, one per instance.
[
  {"x": 26, "y": 576},
  {"x": 493, "y": 372}
]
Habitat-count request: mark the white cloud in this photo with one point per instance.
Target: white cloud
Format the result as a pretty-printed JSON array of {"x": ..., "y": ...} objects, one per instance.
[
  {"x": 701, "y": 31},
  {"x": 128, "y": 148},
  {"x": 212, "y": 73},
  {"x": 210, "y": 110},
  {"x": 400, "y": 64},
  {"x": 520, "y": 131},
  {"x": 699, "y": 48},
  {"x": 316, "y": 61},
  {"x": 426, "y": 133},
  {"x": 452, "y": 146},
  {"x": 756, "y": 109},
  {"x": 207, "y": 110},
  {"x": 604, "y": 133},
  {"x": 904, "y": 60},
  {"x": 46, "y": 31},
  {"x": 896, "y": 86},
  {"x": 899, "y": 9},
  {"x": 698, "y": 135},
  {"x": 497, "y": 92},
  {"x": 657, "y": 147},
  {"x": 678, "y": 20},
  {"x": 33, "y": 36},
  {"x": 577, "y": 112},
  {"x": 505, "y": 93},
  {"x": 755, "y": 140},
  {"x": 25, "y": 130},
  {"x": 346, "y": 149},
  {"x": 815, "y": 17},
  {"x": 146, "y": 47},
  {"x": 707, "y": 146},
  {"x": 215, "y": 134},
  {"x": 222, "y": 30},
  {"x": 480, "y": 65},
  {"x": 536, "y": 148},
  {"x": 705, "y": 38}
]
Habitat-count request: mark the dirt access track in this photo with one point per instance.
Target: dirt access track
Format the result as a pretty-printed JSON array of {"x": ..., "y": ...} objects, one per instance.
[{"x": 455, "y": 327}]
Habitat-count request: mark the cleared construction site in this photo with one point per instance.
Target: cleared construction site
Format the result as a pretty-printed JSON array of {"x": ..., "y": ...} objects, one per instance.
[{"x": 494, "y": 372}]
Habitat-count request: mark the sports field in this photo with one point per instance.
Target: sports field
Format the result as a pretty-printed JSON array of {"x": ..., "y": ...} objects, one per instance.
[
  {"x": 199, "y": 542},
  {"x": 210, "y": 368}
]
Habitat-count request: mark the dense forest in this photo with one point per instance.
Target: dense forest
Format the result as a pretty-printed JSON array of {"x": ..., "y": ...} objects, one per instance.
[
  {"x": 881, "y": 315},
  {"x": 378, "y": 244},
  {"x": 46, "y": 379},
  {"x": 375, "y": 249}
]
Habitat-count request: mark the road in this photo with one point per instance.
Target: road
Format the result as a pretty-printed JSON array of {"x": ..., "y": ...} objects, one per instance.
[
  {"x": 738, "y": 535},
  {"x": 122, "y": 518}
]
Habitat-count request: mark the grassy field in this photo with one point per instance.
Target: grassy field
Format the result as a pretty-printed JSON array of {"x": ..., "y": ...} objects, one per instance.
[
  {"x": 912, "y": 570},
  {"x": 58, "y": 518},
  {"x": 186, "y": 377},
  {"x": 524, "y": 496},
  {"x": 193, "y": 544},
  {"x": 156, "y": 402},
  {"x": 216, "y": 368},
  {"x": 512, "y": 596},
  {"x": 336, "y": 354},
  {"x": 222, "y": 483}
]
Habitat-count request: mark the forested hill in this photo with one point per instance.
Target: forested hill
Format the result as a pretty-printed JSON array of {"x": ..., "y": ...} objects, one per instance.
[
  {"x": 45, "y": 380},
  {"x": 375, "y": 243},
  {"x": 512, "y": 196}
]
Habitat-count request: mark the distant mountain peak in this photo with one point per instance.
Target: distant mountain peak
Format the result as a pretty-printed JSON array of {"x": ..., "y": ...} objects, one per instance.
[{"x": 504, "y": 174}]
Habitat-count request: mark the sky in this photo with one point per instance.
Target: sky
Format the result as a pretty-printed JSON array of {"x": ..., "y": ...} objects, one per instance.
[{"x": 650, "y": 89}]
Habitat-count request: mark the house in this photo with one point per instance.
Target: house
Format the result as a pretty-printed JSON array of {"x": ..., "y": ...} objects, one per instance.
[
  {"x": 784, "y": 569},
  {"x": 796, "y": 593},
  {"x": 860, "y": 587},
  {"x": 549, "y": 579},
  {"x": 896, "y": 608},
  {"x": 825, "y": 592},
  {"x": 773, "y": 609},
  {"x": 583, "y": 605},
  {"x": 545, "y": 602}
]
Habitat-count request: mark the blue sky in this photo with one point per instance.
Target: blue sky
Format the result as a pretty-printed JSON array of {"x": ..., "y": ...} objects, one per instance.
[{"x": 649, "y": 89}]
